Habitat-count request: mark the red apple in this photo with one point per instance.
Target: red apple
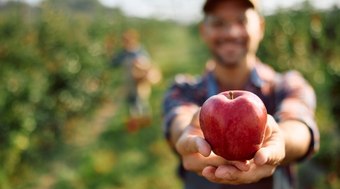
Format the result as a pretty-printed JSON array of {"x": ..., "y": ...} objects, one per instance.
[{"x": 234, "y": 123}]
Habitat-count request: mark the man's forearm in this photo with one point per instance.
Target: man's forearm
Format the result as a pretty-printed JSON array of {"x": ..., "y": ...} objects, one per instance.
[
  {"x": 297, "y": 140},
  {"x": 182, "y": 120}
]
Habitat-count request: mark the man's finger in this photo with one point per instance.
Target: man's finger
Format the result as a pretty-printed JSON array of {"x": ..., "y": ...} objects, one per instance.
[
  {"x": 227, "y": 172},
  {"x": 268, "y": 155},
  {"x": 261, "y": 157},
  {"x": 268, "y": 130},
  {"x": 241, "y": 165},
  {"x": 192, "y": 145},
  {"x": 209, "y": 173}
]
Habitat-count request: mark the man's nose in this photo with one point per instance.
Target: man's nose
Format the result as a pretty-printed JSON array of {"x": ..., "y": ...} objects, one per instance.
[{"x": 232, "y": 29}]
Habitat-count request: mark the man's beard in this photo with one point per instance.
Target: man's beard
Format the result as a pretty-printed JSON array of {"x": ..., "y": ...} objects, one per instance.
[
  {"x": 224, "y": 63},
  {"x": 229, "y": 53}
]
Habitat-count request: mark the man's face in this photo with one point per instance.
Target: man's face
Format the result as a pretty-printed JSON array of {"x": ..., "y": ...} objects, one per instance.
[{"x": 232, "y": 30}]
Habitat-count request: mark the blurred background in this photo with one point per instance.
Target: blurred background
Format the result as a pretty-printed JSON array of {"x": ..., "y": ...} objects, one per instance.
[{"x": 62, "y": 109}]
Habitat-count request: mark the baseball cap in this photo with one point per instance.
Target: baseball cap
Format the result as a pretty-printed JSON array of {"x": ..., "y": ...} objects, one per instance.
[{"x": 210, "y": 3}]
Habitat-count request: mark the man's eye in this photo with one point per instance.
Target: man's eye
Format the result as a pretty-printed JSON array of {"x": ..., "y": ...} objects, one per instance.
[
  {"x": 242, "y": 20},
  {"x": 217, "y": 24}
]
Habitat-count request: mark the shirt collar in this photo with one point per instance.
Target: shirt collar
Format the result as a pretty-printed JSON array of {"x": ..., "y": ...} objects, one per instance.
[
  {"x": 255, "y": 78},
  {"x": 212, "y": 87}
]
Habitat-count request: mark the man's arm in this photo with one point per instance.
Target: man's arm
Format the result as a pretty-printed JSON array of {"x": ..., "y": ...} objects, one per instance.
[
  {"x": 184, "y": 115},
  {"x": 296, "y": 117},
  {"x": 297, "y": 140}
]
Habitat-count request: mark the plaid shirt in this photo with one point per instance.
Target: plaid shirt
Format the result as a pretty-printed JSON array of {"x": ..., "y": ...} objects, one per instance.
[{"x": 287, "y": 96}]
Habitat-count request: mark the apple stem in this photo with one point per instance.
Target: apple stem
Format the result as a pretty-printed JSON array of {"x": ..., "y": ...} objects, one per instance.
[{"x": 231, "y": 95}]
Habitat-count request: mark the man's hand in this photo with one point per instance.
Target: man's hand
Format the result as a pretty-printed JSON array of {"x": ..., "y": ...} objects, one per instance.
[
  {"x": 196, "y": 152},
  {"x": 262, "y": 165}
]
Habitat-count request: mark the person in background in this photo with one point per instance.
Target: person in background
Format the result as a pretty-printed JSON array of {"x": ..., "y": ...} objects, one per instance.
[
  {"x": 232, "y": 30},
  {"x": 140, "y": 75}
]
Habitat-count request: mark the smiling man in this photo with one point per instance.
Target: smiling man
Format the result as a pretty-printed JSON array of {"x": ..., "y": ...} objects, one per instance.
[{"x": 232, "y": 30}]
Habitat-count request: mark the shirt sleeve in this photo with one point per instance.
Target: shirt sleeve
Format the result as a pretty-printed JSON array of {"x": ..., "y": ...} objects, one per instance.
[
  {"x": 178, "y": 98},
  {"x": 118, "y": 59},
  {"x": 298, "y": 102}
]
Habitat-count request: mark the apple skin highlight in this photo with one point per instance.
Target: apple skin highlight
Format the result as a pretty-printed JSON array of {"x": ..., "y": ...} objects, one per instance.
[{"x": 234, "y": 124}]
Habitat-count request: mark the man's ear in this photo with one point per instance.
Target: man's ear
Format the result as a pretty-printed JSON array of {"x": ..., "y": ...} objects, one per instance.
[{"x": 202, "y": 30}]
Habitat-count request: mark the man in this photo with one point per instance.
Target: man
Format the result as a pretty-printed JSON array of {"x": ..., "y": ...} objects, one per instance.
[
  {"x": 232, "y": 30},
  {"x": 138, "y": 69}
]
